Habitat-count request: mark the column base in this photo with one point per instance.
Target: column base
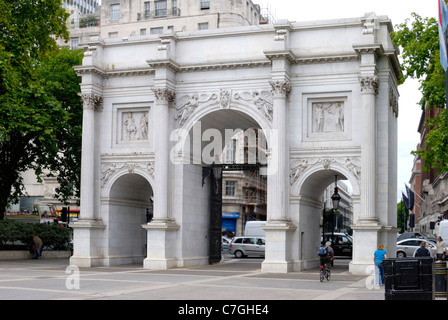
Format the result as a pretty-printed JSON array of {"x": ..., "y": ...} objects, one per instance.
[
  {"x": 161, "y": 252},
  {"x": 278, "y": 258},
  {"x": 87, "y": 243}
]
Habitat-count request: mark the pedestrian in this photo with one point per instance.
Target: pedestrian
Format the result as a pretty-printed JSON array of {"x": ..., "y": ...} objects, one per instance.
[
  {"x": 36, "y": 247},
  {"x": 440, "y": 250},
  {"x": 422, "y": 251},
  {"x": 378, "y": 256}
]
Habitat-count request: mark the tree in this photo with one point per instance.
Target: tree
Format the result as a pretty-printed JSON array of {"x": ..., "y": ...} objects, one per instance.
[
  {"x": 35, "y": 111},
  {"x": 419, "y": 40}
]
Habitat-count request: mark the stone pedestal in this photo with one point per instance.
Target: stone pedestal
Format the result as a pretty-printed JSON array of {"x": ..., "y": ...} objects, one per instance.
[
  {"x": 278, "y": 249},
  {"x": 161, "y": 252},
  {"x": 88, "y": 251}
]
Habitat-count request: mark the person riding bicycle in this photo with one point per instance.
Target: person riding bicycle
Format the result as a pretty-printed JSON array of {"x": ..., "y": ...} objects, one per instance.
[{"x": 324, "y": 260}]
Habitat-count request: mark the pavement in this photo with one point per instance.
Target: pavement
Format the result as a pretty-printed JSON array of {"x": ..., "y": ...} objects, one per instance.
[{"x": 232, "y": 280}]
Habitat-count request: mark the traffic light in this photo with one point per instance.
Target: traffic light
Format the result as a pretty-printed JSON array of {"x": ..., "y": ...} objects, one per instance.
[{"x": 64, "y": 214}]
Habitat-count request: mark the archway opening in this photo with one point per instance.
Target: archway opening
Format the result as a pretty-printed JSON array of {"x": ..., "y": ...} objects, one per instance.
[
  {"x": 319, "y": 221},
  {"x": 224, "y": 137},
  {"x": 130, "y": 200}
]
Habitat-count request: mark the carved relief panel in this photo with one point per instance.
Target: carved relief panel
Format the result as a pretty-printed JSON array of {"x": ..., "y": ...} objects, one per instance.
[
  {"x": 132, "y": 125},
  {"x": 327, "y": 116}
]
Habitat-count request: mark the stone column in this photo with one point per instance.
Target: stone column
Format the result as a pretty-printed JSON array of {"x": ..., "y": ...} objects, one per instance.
[
  {"x": 278, "y": 173},
  {"x": 87, "y": 231},
  {"x": 369, "y": 87},
  {"x": 279, "y": 227},
  {"x": 161, "y": 231},
  {"x": 164, "y": 98},
  {"x": 91, "y": 104}
]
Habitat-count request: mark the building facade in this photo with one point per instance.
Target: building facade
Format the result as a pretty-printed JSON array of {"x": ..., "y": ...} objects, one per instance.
[
  {"x": 430, "y": 187},
  {"x": 158, "y": 109}
]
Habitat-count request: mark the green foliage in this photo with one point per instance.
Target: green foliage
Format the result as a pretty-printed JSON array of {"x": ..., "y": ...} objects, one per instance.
[
  {"x": 40, "y": 112},
  {"x": 16, "y": 234},
  {"x": 419, "y": 39}
]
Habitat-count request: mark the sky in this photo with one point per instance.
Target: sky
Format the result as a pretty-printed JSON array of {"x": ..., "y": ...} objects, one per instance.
[{"x": 397, "y": 11}]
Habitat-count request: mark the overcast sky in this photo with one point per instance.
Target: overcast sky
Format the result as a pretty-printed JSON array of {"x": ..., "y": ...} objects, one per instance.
[{"x": 397, "y": 11}]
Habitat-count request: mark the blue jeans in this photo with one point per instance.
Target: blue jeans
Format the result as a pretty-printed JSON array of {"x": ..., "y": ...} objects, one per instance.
[{"x": 379, "y": 274}]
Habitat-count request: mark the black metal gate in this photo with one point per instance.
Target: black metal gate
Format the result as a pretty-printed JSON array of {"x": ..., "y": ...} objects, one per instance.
[{"x": 215, "y": 173}]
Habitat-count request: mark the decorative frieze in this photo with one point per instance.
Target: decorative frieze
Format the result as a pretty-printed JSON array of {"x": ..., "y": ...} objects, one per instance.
[
  {"x": 352, "y": 164},
  {"x": 110, "y": 169}
]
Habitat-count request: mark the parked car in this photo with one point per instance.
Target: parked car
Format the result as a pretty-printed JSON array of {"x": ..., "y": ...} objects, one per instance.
[
  {"x": 341, "y": 243},
  {"x": 407, "y": 247},
  {"x": 225, "y": 243},
  {"x": 248, "y": 246},
  {"x": 416, "y": 235}
]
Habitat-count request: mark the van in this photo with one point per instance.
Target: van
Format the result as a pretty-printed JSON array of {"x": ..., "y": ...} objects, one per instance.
[
  {"x": 443, "y": 230},
  {"x": 255, "y": 229}
]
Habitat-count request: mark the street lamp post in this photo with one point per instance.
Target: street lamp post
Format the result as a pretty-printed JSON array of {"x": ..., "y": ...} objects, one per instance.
[{"x": 336, "y": 198}]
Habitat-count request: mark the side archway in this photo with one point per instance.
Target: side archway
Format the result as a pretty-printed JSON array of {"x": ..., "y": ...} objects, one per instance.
[
  {"x": 307, "y": 206},
  {"x": 128, "y": 197}
]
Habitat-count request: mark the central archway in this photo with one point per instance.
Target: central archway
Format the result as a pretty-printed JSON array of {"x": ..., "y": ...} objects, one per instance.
[{"x": 202, "y": 141}]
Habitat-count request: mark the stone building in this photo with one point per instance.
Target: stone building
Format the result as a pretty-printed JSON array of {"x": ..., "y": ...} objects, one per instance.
[{"x": 157, "y": 109}]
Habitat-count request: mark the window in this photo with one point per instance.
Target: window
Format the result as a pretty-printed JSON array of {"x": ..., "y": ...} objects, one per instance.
[
  {"x": 156, "y": 30},
  {"x": 203, "y": 26},
  {"x": 205, "y": 4},
  {"x": 113, "y": 35},
  {"x": 161, "y": 8},
  {"x": 143, "y": 32},
  {"x": 147, "y": 9},
  {"x": 115, "y": 12},
  {"x": 74, "y": 43},
  {"x": 230, "y": 188},
  {"x": 230, "y": 151}
]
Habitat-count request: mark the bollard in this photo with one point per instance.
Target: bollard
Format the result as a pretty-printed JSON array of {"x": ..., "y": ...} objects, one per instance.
[{"x": 440, "y": 279}]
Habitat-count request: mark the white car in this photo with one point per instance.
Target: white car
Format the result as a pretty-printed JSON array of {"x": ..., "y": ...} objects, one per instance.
[
  {"x": 248, "y": 246},
  {"x": 407, "y": 247}
]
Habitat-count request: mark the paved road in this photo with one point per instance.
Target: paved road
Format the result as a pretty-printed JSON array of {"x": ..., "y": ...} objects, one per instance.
[{"x": 234, "y": 279}]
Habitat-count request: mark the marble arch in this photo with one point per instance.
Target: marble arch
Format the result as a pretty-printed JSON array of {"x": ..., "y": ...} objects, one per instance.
[{"x": 333, "y": 108}]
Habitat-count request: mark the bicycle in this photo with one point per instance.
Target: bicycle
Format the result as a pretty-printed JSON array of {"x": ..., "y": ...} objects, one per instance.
[{"x": 325, "y": 273}]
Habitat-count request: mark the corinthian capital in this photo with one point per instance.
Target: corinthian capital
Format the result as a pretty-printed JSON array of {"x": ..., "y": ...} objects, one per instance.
[
  {"x": 369, "y": 85},
  {"x": 92, "y": 101},
  {"x": 165, "y": 95},
  {"x": 280, "y": 89}
]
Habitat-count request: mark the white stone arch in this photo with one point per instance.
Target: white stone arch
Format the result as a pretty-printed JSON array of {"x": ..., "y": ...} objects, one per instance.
[
  {"x": 180, "y": 135},
  {"x": 125, "y": 198},
  {"x": 306, "y": 206},
  {"x": 321, "y": 165},
  {"x": 106, "y": 188}
]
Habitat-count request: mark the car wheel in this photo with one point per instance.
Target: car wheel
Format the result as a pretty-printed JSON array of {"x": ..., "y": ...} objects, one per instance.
[
  {"x": 239, "y": 254},
  {"x": 401, "y": 254}
]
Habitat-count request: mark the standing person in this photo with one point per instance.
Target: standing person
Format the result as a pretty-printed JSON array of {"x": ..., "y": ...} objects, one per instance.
[
  {"x": 36, "y": 246},
  {"x": 378, "y": 256},
  {"x": 441, "y": 249},
  {"x": 422, "y": 251}
]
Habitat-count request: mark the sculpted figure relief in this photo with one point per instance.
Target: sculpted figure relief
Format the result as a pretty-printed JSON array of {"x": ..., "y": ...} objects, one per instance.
[
  {"x": 328, "y": 117},
  {"x": 132, "y": 131}
]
